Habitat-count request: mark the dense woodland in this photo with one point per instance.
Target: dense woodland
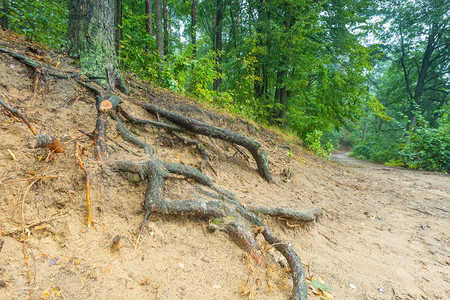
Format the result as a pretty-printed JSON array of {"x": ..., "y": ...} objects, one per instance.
[{"x": 369, "y": 74}]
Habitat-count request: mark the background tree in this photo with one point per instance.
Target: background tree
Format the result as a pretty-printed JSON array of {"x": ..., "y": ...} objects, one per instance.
[
  {"x": 159, "y": 31},
  {"x": 149, "y": 23}
]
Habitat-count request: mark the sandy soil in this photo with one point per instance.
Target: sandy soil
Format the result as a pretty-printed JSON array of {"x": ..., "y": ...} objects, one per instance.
[{"x": 384, "y": 234}]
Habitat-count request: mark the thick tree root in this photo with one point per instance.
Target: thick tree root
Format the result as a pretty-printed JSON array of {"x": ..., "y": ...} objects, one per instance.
[
  {"x": 310, "y": 216},
  {"x": 135, "y": 120},
  {"x": 31, "y": 63},
  {"x": 223, "y": 210},
  {"x": 198, "y": 127}
]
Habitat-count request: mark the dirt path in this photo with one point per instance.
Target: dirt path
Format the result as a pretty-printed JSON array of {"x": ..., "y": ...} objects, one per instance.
[{"x": 392, "y": 242}]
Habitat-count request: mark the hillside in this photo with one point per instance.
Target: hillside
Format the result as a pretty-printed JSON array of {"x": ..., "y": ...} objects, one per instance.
[{"x": 383, "y": 234}]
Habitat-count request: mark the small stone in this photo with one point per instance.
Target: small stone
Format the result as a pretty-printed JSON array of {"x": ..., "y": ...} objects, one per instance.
[
  {"x": 352, "y": 286},
  {"x": 380, "y": 290},
  {"x": 117, "y": 243},
  {"x": 2, "y": 284},
  {"x": 181, "y": 265},
  {"x": 217, "y": 286}
]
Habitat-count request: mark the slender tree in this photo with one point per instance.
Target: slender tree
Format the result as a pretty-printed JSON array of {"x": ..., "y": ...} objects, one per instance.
[
  {"x": 159, "y": 32},
  {"x": 218, "y": 43},
  {"x": 148, "y": 12},
  {"x": 166, "y": 28},
  {"x": 193, "y": 24}
]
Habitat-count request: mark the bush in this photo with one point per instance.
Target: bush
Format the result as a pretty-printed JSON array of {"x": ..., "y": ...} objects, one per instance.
[
  {"x": 376, "y": 150},
  {"x": 428, "y": 149}
]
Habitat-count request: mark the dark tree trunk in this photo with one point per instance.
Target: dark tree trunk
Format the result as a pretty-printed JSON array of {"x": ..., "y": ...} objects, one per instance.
[
  {"x": 4, "y": 18},
  {"x": 281, "y": 94},
  {"x": 149, "y": 21},
  {"x": 149, "y": 12},
  {"x": 193, "y": 24},
  {"x": 166, "y": 28},
  {"x": 92, "y": 35},
  {"x": 158, "y": 24},
  {"x": 218, "y": 43},
  {"x": 259, "y": 86}
]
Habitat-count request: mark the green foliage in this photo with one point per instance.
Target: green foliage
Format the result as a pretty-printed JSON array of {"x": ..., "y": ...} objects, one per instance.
[
  {"x": 297, "y": 64},
  {"x": 44, "y": 21},
  {"x": 376, "y": 150},
  {"x": 313, "y": 140},
  {"x": 138, "y": 49},
  {"x": 429, "y": 148}
]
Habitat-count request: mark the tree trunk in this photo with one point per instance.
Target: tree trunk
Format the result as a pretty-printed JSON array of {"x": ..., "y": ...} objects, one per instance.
[
  {"x": 261, "y": 69},
  {"x": 4, "y": 18},
  {"x": 218, "y": 44},
  {"x": 91, "y": 34},
  {"x": 148, "y": 12},
  {"x": 158, "y": 24},
  {"x": 193, "y": 24},
  {"x": 118, "y": 27},
  {"x": 149, "y": 21},
  {"x": 166, "y": 30},
  {"x": 281, "y": 94}
]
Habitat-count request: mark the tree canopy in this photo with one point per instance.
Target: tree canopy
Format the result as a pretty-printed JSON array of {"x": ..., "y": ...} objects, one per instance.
[{"x": 377, "y": 68}]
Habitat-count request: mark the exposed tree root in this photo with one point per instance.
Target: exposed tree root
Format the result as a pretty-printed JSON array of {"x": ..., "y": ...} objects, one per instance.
[
  {"x": 221, "y": 208},
  {"x": 18, "y": 114},
  {"x": 223, "y": 211},
  {"x": 200, "y": 147},
  {"x": 31, "y": 63},
  {"x": 310, "y": 216},
  {"x": 198, "y": 127}
]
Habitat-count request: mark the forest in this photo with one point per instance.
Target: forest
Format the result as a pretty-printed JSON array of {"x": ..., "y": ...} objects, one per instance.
[{"x": 370, "y": 75}]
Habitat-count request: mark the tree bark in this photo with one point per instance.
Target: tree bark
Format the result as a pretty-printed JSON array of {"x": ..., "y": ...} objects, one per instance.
[
  {"x": 158, "y": 25},
  {"x": 118, "y": 27},
  {"x": 218, "y": 44},
  {"x": 4, "y": 18},
  {"x": 149, "y": 12},
  {"x": 166, "y": 29},
  {"x": 149, "y": 21},
  {"x": 193, "y": 24},
  {"x": 92, "y": 38}
]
